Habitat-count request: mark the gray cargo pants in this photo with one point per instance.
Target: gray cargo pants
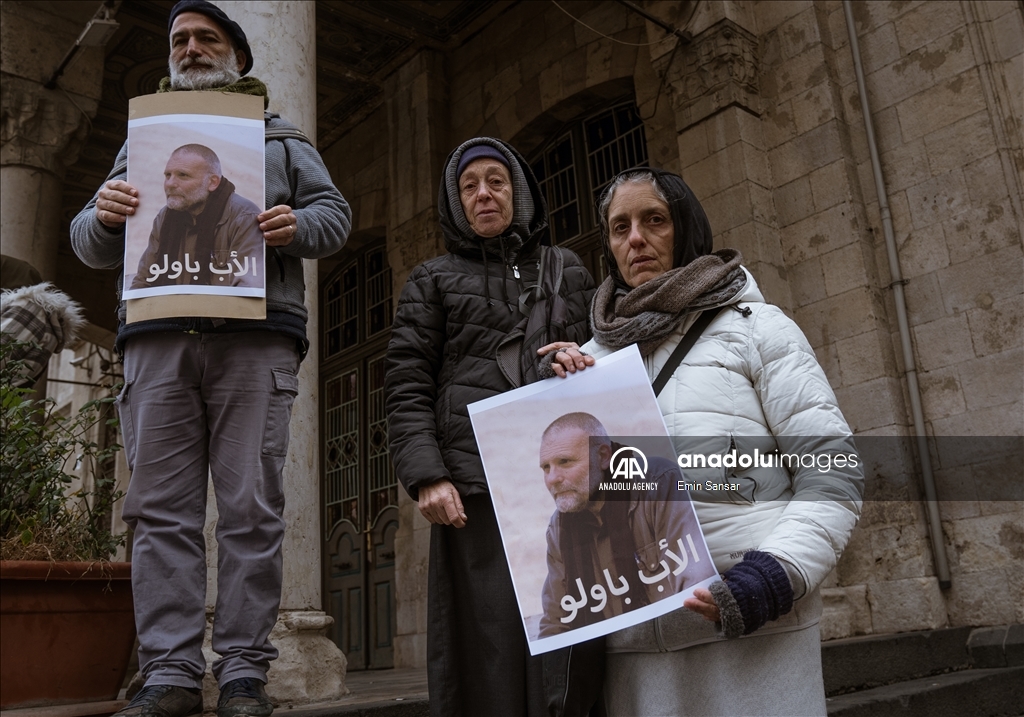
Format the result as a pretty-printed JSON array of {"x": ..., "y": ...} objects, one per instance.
[{"x": 195, "y": 405}]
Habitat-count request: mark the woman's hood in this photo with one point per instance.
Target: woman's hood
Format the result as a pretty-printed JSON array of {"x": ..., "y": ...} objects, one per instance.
[{"x": 529, "y": 210}]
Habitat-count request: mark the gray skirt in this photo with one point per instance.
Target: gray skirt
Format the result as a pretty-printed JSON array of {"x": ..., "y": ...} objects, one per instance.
[{"x": 776, "y": 674}]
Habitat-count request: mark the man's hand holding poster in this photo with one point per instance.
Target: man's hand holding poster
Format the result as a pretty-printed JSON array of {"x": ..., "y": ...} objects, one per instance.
[
  {"x": 597, "y": 527},
  {"x": 194, "y": 246}
]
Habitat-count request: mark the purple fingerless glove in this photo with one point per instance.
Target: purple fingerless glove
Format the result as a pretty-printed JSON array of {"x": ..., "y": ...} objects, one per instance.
[{"x": 751, "y": 593}]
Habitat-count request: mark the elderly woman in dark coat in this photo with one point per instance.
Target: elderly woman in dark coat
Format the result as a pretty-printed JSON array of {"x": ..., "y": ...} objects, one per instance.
[{"x": 456, "y": 316}]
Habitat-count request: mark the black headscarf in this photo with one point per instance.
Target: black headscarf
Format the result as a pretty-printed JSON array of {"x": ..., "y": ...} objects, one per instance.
[{"x": 692, "y": 229}]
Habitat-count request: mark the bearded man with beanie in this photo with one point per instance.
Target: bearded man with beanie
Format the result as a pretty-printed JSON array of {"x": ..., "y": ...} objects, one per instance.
[{"x": 213, "y": 397}]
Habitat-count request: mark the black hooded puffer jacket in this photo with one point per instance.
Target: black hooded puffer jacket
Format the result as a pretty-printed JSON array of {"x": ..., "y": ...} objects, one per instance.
[{"x": 452, "y": 314}]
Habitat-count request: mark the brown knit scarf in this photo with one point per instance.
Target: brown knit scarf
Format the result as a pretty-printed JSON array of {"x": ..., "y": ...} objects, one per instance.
[{"x": 647, "y": 314}]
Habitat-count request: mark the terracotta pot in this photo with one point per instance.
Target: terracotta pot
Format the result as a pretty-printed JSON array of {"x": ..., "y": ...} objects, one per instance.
[{"x": 68, "y": 631}]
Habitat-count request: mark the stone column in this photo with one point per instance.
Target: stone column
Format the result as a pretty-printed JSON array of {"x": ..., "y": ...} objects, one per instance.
[
  {"x": 310, "y": 668},
  {"x": 41, "y": 130}
]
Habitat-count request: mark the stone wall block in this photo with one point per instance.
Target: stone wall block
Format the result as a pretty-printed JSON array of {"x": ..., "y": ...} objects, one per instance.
[
  {"x": 971, "y": 137},
  {"x": 755, "y": 165},
  {"x": 994, "y": 380},
  {"x": 599, "y": 61},
  {"x": 830, "y": 185},
  {"x": 997, "y": 326},
  {"x": 806, "y": 152},
  {"x": 905, "y": 605},
  {"x": 985, "y": 180},
  {"x": 794, "y": 201},
  {"x": 987, "y": 277},
  {"x": 779, "y": 125},
  {"x": 807, "y": 279},
  {"x": 693, "y": 145},
  {"x": 798, "y": 34},
  {"x": 927, "y": 23},
  {"x": 727, "y": 209},
  {"x": 982, "y": 229},
  {"x": 900, "y": 552},
  {"x": 814, "y": 107},
  {"x": 770, "y": 15},
  {"x": 718, "y": 172},
  {"x": 943, "y": 343},
  {"x": 920, "y": 71},
  {"x": 940, "y": 105},
  {"x": 723, "y": 129},
  {"x": 906, "y": 165},
  {"x": 937, "y": 199},
  {"x": 941, "y": 393},
  {"x": 800, "y": 73},
  {"x": 762, "y": 204},
  {"x": 984, "y": 598},
  {"x": 828, "y": 359},
  {"x": 845, "y": 612},
  {"x": 984, "y": 422},
  {"x": 845, "y": 269},
  {"x": 924, "y": 299},
  {"x": 550, "y": 85},
  {"x": 872, "y": 404},
  {"x": 819, "y": 234},
  {"x": 500, "y": 87},
  {"x": 922, "y": 251},
  {"x": 856, "y": 564},
  {"x": 878, "y": 47},
  {"x": 860, "y": 358}
]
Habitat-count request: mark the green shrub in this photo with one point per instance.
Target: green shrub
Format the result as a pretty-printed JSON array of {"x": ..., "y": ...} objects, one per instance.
[{"x": 39, "y": 520}]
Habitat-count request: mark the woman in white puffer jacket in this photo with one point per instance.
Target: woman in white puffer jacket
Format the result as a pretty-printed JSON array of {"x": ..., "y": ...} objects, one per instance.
[{"x": 749, "y": 645}]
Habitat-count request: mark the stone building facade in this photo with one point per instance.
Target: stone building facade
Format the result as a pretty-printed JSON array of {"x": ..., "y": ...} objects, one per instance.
[{"x": 756, "y": 103}]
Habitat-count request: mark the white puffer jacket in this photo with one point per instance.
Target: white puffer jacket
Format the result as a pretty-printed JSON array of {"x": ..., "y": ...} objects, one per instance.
[{"x": 752, "y": 381}]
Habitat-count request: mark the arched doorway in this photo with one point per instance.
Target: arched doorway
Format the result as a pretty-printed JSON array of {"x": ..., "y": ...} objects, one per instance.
[{"x": 360, "y": 494}]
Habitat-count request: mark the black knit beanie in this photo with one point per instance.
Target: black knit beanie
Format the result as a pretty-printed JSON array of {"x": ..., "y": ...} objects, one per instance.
[{"x": 229, "y": 26}]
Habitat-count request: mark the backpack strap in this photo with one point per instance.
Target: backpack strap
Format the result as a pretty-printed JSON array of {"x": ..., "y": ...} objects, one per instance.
[
  {"x": 683, "y": 347},
  {"x": 287, "y": 133}
]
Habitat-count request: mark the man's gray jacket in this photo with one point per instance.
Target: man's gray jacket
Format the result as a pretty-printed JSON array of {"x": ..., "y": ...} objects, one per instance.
[{"x": 296, "y": 176}]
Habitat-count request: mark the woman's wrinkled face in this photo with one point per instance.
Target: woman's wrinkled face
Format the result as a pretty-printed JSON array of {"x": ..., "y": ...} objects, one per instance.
[
  {"x": 640, "y": 232},
  {"x": 485, "y": 189}
]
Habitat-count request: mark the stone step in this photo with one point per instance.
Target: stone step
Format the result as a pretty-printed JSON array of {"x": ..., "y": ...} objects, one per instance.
[
  {"x": 862, "y": 662},
  {"x": 978, "y": 693},
  {"x": 411, "y": 707}
]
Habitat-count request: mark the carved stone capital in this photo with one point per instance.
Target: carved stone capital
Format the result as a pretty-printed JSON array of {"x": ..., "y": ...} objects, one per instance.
[
  {"x": 41, "y": 128},
  {"x": 719, "y": 68}
]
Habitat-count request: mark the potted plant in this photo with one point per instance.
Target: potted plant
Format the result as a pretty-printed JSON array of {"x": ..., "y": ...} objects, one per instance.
[{"x": 65, "y": 609}]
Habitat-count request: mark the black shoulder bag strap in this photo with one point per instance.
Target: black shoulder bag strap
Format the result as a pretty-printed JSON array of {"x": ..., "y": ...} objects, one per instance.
[{"x": 683, "y": 347}]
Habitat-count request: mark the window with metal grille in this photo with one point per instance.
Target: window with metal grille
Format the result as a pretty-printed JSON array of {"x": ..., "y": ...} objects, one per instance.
[
  {"x": 575, "y": 167},
  {"x": 357, "y": 301}
]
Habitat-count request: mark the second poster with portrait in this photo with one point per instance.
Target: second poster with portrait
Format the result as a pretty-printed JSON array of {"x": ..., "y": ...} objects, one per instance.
[{"x": 598, "y": 529}]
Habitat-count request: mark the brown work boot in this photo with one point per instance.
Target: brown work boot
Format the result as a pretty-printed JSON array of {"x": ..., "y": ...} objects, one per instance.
[
  {"x": 244, "y": 697},
  {"x": 164, "y": 701}
]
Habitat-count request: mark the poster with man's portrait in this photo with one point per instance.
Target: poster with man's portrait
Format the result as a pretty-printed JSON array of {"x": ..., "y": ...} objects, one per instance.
[
  {"x": 597, "y": 526},
  {"x": 194, "y": 246}
]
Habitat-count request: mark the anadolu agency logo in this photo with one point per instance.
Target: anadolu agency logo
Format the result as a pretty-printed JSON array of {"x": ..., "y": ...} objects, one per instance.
[
  {"x": 628, "y": 471},
  {"x": 627, "y": 468}
]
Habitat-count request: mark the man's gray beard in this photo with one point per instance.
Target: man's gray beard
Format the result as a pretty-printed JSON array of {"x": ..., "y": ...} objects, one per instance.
[{"x": 223, "y": 72}]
